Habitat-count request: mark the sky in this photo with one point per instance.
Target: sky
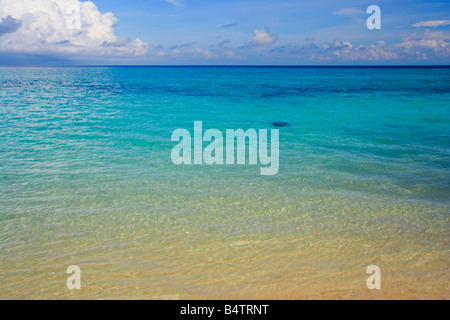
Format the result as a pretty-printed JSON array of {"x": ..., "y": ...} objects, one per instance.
[{"x": 223, "y": 32}]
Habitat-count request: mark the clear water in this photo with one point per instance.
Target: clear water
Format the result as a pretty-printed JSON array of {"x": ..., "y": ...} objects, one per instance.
[{"x": 86, "y": 178}]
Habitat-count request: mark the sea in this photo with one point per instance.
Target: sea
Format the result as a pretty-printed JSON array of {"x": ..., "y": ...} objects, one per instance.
[{"x": 87, "y": 179}]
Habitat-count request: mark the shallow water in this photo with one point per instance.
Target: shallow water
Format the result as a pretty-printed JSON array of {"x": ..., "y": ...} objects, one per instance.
[{"x": 86, "y": 179}]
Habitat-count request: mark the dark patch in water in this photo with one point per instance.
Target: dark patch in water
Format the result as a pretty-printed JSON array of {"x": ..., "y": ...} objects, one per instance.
[{"x": 280, "y": 124}]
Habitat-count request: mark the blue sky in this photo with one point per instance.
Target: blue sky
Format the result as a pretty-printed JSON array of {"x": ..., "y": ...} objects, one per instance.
[{"x": 163, "y": 32}]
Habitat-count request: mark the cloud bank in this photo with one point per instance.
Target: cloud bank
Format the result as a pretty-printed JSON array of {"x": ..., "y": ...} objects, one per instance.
[{"x": 68, "y": 27}]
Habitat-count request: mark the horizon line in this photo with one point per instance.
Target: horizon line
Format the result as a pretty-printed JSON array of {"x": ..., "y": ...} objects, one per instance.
[{"x": 228, "y": 66}]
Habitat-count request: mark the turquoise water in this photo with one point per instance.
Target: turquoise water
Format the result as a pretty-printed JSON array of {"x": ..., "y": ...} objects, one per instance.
[{"x": 86, "y": 179}]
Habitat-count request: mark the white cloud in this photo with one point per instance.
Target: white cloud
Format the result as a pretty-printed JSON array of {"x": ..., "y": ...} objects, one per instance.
[
  {"x": 174, "y": 2},
  {"x": 338, "y": 45},
  {"x": 263, "y": 37},
  {"x": 423, "y": 46},
  {"x": 44, "y": 28},
  {"x": 206, "y": 53},
  {"x": 176, "y": 53},
  {"x": 230, "y": 54},
  {"x": 434, "y": 44},
  {"x": 432, "y": 23},
  {"x": 420, "y": 47},
  {"x": 349, "y": 11},
  {"x": 344, "y": 50}
]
